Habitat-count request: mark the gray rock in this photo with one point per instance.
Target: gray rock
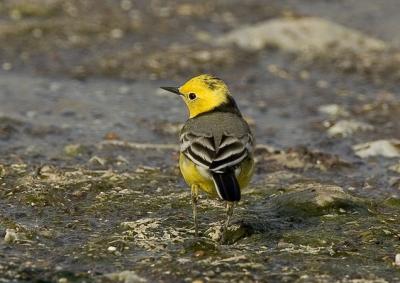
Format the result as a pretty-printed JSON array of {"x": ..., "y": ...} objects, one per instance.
[
  {"x": 234, "y": 233},
  {"x": 301, "y": 35},
  {"x": 315, "y": 199}
]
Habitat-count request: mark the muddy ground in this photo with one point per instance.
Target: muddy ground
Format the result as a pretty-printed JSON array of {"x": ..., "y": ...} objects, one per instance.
[{"x": 90, "y": 188}]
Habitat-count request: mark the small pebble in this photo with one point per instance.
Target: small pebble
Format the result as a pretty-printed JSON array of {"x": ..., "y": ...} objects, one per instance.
[
  {"x": 37, "y": 33},
  {"x": 116, "y": 33},
  {"x": 397, "y": 260},
  {"x": 7, "y": 66},
  {"x": 15, "y": 14},
  {"x": 199, "y": 253},
  {"x": 31, "y": 114},
  {"x": 124, "y": 89},
  {"x": 54, "y": 86},
  {"x": 333, "y": 110},
  {"x": 209, "y": 273},
  {"x": 111, "y": 249},
  {"x": 304, "y": 75},
  {"x": 11, "y": 236},
  {"x": 126, "y": 5},
  {"x": 111, "y": 136},
  {"x": 95, "y": 160},
  {"x": 322, "y": 84},
  {"x": 73, "y": 149}
]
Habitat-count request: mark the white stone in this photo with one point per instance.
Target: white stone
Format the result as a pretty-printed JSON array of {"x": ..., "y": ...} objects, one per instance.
[
  {"x": 348, "y": 127},
  {"x": 111, "y": 249},
  {"x": 11, "y": 236},
  {"x": 386, "y": 148},
  {"x": 333, "y": 110}
]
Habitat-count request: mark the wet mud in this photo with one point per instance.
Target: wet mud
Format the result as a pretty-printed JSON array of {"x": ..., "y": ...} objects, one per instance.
[{"x": 90, "y": 190}]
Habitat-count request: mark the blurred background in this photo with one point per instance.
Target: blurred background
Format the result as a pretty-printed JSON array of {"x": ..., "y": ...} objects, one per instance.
[
  {"x": 158, "y": 39},
  {"x": 81, "y": 71},
  {"x": 282, "y": 59},
  {"x": 318, "y": 82}
]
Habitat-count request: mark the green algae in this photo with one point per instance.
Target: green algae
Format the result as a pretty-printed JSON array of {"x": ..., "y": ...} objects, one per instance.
[{"x": 32, "y": 9}]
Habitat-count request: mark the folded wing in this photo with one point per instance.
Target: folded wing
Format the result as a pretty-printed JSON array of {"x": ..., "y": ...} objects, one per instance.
[
  {"x": 220, "y": 157},
  {"x": 217, "y": 156}
]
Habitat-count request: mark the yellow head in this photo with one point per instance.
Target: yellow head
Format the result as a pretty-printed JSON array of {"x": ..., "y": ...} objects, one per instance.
[{"x": 202, "y": 93}]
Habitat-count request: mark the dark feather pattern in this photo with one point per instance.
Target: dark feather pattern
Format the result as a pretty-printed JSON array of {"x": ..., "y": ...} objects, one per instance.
[
  {"x": 227, "y": 185},
  {"x": 229, "y": 106}
]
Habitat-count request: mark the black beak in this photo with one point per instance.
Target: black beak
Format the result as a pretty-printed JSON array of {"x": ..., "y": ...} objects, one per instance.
[{"x": 172, "y": 89}]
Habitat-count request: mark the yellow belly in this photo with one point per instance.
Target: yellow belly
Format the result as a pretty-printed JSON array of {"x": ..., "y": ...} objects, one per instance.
[{"x": 194, "y": 176}]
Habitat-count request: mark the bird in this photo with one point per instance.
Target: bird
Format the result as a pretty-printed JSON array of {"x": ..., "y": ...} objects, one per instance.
[{"x": 216, "y": 151}]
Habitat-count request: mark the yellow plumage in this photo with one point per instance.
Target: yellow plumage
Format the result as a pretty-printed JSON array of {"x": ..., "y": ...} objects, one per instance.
[
  {"x": 216, "y": 144},
  {"x": 192, "y": 175},
  {"x": 205, "y": 101}
]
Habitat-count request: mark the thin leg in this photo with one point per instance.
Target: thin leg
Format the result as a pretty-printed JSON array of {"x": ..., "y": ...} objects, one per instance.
[
  {"x": 195, "y": 198},
  {"x": 229, "y": 211}
]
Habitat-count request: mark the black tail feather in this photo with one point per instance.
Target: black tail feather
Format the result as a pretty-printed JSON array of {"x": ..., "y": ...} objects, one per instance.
[{"x": 227, "y": 186}]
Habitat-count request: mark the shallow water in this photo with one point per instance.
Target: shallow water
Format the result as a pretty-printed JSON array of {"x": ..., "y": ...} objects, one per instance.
[{"x": 81, "y": 200}]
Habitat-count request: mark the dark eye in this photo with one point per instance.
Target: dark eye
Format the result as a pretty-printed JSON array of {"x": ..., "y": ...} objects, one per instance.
[{"x": 192, "y": 96}]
